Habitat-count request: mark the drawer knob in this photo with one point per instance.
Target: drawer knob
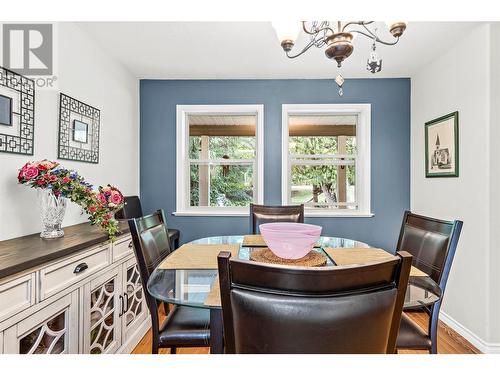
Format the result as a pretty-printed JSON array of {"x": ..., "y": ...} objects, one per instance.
[
  {"x": 80, "y": 268},
  {"x": 130, "y": 245}
]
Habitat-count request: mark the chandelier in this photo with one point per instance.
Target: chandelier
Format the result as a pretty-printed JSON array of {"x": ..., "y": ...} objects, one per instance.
[{"x": 338, "y": 41}]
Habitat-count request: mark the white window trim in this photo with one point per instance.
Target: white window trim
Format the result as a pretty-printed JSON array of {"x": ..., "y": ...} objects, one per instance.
[
  {"x": 182, "y": 162},
  {"x": 363, "y": 162}
]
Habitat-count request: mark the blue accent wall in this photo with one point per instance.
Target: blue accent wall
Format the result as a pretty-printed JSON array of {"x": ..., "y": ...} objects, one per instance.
[{"x": 390, "y": 149}]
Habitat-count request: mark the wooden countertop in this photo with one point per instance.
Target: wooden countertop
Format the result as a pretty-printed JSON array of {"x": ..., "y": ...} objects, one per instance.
[{"x": 22, "y": 253}]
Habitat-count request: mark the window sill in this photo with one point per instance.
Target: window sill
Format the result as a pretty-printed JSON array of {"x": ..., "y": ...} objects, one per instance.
[
  {"x": 212, "y": 213},
  {"x": 338, "y": 214},
  {"x": 246, "y": 213}
]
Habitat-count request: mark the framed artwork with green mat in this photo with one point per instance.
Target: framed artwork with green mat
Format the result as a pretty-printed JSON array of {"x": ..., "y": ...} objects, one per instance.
[{"x": 441, "y": 146}]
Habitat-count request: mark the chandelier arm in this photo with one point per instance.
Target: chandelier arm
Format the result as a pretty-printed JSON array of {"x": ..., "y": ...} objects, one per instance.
[
  {"x": 305, "y": 49},
  {"x": 325, "y": 28},
  {"x": 370, "y": 32},
  {"x": 356, "y": 23},
  {"x": 320, "y": 43},
  {"x": 377, "y": 39}
]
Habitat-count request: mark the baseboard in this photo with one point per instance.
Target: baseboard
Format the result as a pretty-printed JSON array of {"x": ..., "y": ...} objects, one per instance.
[
  {"x": 480, "y": 344},
  {"x": 132, "y": 342}
]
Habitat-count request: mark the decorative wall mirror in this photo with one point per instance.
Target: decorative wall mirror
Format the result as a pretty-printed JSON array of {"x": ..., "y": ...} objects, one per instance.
[
  {"x": 17, "y": 113},
  {"x": 78, "y": 130},
  {"x": 5, "y": 110}
]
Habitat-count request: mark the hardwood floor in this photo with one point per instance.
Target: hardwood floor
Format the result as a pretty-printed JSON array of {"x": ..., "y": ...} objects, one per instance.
[{"x": 449, "y": 342}]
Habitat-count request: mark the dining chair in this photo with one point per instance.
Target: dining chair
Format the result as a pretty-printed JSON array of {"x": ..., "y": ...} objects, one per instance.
[
  {"x": 269, "y": 214},
  {"x": 282, "y": 309},
  {"x": 432, "y": 243},
  {"x": 132, "y": 209},
  {"x": 184, "y": 326}
]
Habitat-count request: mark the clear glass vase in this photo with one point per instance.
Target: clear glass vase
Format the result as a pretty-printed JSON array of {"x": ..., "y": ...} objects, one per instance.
[{"x": 52, "y": 211}]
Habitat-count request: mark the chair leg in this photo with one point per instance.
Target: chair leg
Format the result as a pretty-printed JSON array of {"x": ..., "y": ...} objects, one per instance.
[
  {"x": 433, "y": 330},
  {"x": 154, "y": 349},
  {"x": 433, "y": 349},
  {"x": 166, "y": 308},
  {"x": 173, "y": 350}
]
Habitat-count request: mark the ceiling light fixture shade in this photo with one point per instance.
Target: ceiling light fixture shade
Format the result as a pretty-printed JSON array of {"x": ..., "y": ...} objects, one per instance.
[
  {"x": 287, "y": 32},
  {"x": 338, "y": 39}
]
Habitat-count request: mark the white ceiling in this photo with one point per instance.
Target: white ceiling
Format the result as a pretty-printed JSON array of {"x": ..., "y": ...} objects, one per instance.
[{"x": 250, "y": 50}]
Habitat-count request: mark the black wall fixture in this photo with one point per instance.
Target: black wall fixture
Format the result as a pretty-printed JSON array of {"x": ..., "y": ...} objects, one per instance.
[
  {"x": 17, "y": 113},
  {"x": 75, "y": 118}
]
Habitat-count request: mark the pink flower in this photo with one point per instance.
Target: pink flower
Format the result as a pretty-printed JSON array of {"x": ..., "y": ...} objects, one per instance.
[
  {"x": 116, "y": 197},
  {"x": 66, "y": 179},
  {"x": 92, "y": 209},
  {"x": 52, "y": 178},
  {"x": 29, "y": 172},
  {"x": 102, "y": 198},
  {"x": 40, "y": 182},
  {"x": 108, "y": 216},
  {"x": 46, "y": 165}
]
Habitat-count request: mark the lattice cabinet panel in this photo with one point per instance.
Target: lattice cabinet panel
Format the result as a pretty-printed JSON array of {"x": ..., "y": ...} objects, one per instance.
[
  {"x": 52, "y": 330},
  {"x": 134, "y": 307},
  {"x": 102, "y": 306}
]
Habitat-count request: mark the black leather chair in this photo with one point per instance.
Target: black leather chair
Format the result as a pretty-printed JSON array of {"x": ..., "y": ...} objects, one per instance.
[
  {"x": 132, "y": 209},
  {"x": 183, "y": 326},
  {"x": 278, "y": 309},
  {"x": 270, "y": 214},
  {"x": 432, "y": 243}
]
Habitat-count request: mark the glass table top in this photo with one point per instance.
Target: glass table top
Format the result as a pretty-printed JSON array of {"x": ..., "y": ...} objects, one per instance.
[{"x": 192, "y": 287}]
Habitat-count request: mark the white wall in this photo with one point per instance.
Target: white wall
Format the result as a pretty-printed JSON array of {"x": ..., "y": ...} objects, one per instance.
[
  {"x": 459, "y": 80},
  {"x": 85, "y": 72},
  {"x": 494, "y": 261}
]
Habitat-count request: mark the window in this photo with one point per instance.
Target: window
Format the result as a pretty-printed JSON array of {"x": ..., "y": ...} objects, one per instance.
[
  {"x": 219, "y": 159},
  {"x": 326, "y": 158}
]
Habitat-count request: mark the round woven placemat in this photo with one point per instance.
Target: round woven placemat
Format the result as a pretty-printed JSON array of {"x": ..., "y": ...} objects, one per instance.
[{"x": 264, "y": 255}]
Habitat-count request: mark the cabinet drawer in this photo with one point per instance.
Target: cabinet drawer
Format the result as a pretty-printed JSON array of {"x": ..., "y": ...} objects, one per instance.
[
  {"x": 61, "y": 275},
  {"x": 16, "y": 295},
  {"x": 122, "y": 248}
]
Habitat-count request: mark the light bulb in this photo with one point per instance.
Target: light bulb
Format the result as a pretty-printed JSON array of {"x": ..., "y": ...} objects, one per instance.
[{"x": 286, "y": 30}]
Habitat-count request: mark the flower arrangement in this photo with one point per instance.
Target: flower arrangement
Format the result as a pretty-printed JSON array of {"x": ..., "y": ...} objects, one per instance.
[{"x": 69, "y": 184}]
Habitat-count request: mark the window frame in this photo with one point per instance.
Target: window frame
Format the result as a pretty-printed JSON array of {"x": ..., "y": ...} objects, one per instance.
[
  {"x": 183, "y": 207},
  {"x": 363, "y": 157}
]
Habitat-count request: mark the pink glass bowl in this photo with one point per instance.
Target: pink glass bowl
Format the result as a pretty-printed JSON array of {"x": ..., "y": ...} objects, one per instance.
[{"x": 290, "y": 240}]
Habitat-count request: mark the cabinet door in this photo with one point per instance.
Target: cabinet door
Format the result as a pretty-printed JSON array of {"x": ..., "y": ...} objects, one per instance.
[
  {"x": 52, "y": 330},
  {"x": 102, "y": 305},
  {"x": 134, "y": 309}
]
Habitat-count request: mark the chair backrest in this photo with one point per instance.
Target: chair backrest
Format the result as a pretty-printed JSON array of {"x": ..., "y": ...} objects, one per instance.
[
  {"x": 269, "y": 214},
  {"x": 151, "y": 246},
  {"x": 131, "y": 208},
  {"x": 280, "y": 309},
  {"x": 432, "y": 243}
]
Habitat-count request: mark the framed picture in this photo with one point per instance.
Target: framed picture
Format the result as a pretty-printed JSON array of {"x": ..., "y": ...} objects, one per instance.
[
  {"x": 5, "y": 110},
  {"x": 17, "y": 112},
  {"x": 441, "y": 146},
  {"x": 79, "y": 125},
  {"x": 80, "y": 131}
]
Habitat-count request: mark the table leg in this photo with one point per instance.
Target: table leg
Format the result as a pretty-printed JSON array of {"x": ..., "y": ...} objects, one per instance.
[{"x": 216, "y": 332}]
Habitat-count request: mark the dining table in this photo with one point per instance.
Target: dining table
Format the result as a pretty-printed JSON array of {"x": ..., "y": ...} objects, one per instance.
[{"x": 197, "y": 287}]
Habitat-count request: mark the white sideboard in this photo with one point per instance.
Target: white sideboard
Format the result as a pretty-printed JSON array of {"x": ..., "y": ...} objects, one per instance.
[{"x": 88, "y": 301}]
